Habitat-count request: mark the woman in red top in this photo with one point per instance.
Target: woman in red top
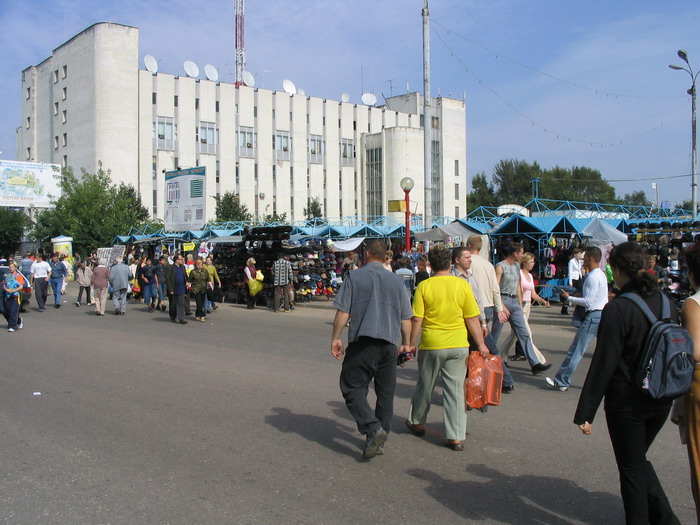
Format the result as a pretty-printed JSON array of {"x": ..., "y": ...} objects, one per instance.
[{"x": 249, "y": 275}]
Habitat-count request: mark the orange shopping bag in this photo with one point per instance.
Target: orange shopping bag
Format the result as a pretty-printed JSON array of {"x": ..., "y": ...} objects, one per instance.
[{"x": 484, "y": 380}]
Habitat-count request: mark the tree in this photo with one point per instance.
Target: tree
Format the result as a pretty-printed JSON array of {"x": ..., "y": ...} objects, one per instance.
[
  {"x": 313, "y": 209},
  {"x": 91, "y": 209},
  {"x": 636, "y": 198},
  {"x": 482, "y": 193},
  {"x": 275, "y": 218},
  {"x": 12, "y": 225},
  {"x": 229, "y": 208},
  {"x": 512, "y": 179},
  {"x": 685, "y": 205}
]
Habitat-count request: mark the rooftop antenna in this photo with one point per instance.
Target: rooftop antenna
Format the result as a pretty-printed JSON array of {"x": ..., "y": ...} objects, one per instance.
[
  {"x": 211, "y": 73},
  {"x": 239, "y": 12},
  {"x": 289, "y": 87},
  {"x": 369, "y": 99},
  {"x": 191, "y": 69},
  {"x": 345, "y": 97},
  {"x": 248, "y": 78},
  {"x": 391, "y": 86},
  {"x": 151, "y": 64}
]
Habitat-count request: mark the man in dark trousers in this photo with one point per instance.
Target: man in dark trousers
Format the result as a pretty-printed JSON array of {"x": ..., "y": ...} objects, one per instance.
[
  {"x": 177, "y": 280},
  {"x": 379, "y": 310}
]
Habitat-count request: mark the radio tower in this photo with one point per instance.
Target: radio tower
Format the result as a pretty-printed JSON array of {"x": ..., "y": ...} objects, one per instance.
[{"x": 238, "y": 9}]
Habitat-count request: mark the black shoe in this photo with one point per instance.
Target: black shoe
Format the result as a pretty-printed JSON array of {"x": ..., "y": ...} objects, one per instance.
[
  {"x": 517, "y": 357},
  {"x": 564, "y": 311},
  {"x": 415, "y": 429},
  {"x": 375, "y": 440},
  {"x": 507, "y": 389},
  {"x": 117, "y": 312},
  {"x": 57, "y": 306},
  {"x": 182, "y": 322},
  {"x": 539, "y": 368}
]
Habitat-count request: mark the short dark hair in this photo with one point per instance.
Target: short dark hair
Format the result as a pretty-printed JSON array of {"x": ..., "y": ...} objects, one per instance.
[
  {"x": 594, "y": 253},
  {"x": 630, "y": 259},
  {"x": 439, "y": 257},
  {"x": 457, "y": 252},
  {"x": 376, "y": 248},
  {"x": 511, "y": 248}
]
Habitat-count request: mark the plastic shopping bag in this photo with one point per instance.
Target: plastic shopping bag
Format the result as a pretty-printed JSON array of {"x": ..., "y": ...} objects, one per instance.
[
  {"x": 259, "y": 276},
  {"x": 254, "y": 286},
  {"x": 484, "y": 380}
]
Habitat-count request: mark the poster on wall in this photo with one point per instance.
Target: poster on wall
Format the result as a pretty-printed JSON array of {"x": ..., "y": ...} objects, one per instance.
[
  {"x": 25, "y": 184},
  {"x": 185, "y": 200}
]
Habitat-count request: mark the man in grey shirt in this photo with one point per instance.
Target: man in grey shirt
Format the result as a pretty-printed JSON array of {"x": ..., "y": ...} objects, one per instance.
[{"x": 378, "y": 308}]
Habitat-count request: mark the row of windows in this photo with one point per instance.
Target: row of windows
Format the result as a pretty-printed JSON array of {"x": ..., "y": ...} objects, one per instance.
[
  {"x": 64, "y": 141},
  {"x": 64, "y": 74}
]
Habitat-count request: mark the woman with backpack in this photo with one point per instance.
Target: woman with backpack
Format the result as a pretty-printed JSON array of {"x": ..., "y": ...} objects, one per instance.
[{"x": 633, "y": 418}]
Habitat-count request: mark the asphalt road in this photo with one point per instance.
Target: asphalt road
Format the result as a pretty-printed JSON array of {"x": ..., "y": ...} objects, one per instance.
[{"x": 137, "y": 420}]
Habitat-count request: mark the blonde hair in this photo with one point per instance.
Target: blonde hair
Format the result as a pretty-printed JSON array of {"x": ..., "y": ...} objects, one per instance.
[
  {"x": 527, "y": 257},
  {"x": 250, "y": 261}
]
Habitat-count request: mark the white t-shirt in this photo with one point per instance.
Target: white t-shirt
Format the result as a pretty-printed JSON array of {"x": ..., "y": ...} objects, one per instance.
[{"x": 40, "y": 270}]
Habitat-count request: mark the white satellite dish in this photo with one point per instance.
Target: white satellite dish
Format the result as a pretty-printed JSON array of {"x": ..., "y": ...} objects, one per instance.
[
  {"x": 289, "y": 87},
  {"x": 211, "y": 73},
  {"x": 151, "y": 64},
  {"x": 191, "y": 69},
  {"x": 345, "y": 97},
  {"x": 301, "y": 92},
  {"x": 248, "y": 78},
  {"x": 369, "y": 99}
]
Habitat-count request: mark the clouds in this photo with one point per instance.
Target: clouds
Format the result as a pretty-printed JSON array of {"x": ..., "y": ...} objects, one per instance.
[{"x": 329, "y": 47}]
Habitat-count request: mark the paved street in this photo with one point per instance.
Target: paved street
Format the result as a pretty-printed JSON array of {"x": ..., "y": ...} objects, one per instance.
[{"x": 240, "y": 420}]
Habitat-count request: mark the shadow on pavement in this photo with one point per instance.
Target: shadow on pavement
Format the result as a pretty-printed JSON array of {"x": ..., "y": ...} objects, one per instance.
[
  {"x": 339, "y": 438},
  {"x": 520, "y": 499}
]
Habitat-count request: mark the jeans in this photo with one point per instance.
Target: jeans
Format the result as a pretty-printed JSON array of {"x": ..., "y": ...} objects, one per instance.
[
  {"x": 367, "y": 359},
  {"x": 162, "y": 291},
  {"x": 585, "y": 334},
  {"x": 56, "y": 286},
  {"x": 41, "y": 291},
  {"x": 519, "y": 326},
  {"x": 119, "y": 299},
  {"x": 150, "y": 293},
  {"x": 631, "y": 434},
  {"x": 11, "y": 311}
]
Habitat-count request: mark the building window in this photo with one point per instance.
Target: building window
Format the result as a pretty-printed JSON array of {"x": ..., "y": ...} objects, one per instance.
[
  {"x": 282, "y": 144},
  {"x": 55, "y": 142},
  {"x": 456, "y": 192},
  {"x": 436, "y": 179},
  {"x": 64, "y": 116},
  {"x": 255, "y": 111},
  {"x": 165, "y": 133},
  {"x": 456, "y": 167},
  {"x": 238, "y": 180},
  {"x": 29, "y": 93},
  {"x": 55, "y": 76},
  {"x": 217, "y": 106},
  {"x": 435, "y": 122},
  {"x": 175, "y": 100},
  {"x": 64, "y": 93},
  {"x": 218, "y": 171},
  {"x": 456, "y": 212},
  {"x": 65, "y": 139},
  {"x": 65, "y": 71},
  {"x": 154, "y": 98},
  {"x": 29, "y": 122},
  {"x": 29, "y": 152},
  {"x": 347, "y": 152},
  {"x": 374, "y": 181},
  {"x": 196, "y": 103},
  {"x": 247, "y": 142},
  {"x": 207, "y": 137},
  {"x": 55, "y": 108},
  {"x": 65, "y": 161},
  {"x": 316, "y": 149}
]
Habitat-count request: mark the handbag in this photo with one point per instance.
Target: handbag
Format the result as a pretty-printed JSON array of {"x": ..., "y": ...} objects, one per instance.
[{"x": 484, "y": 380}]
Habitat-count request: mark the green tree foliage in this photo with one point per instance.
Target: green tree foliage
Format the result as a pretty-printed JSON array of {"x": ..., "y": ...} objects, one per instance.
[
  {"x": 636, "y": 198},
  {"x": 91, "y": 209},
  {"x": 313, "y": 209},
  {"x": 229, "y": 208},
  {"x": 512, "y": 183},
  {"x": 12, "y": 225},
  {"x": 685, "y": 205},
  {"x": 275, "y": 218}
]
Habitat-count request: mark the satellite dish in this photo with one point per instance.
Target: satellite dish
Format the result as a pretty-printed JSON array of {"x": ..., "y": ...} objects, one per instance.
[
  {"x": 191, "y": 69},
  {"x": 369, "y": 99},
  {"x": 151, "y": 64},
  {"x": 301, "y": 92},
  {"x": 248, "y": 78},
  {"x": 289, "y": 87},
  {"x": 345, "y": 97},
  {"x": 211, "y": 73}
]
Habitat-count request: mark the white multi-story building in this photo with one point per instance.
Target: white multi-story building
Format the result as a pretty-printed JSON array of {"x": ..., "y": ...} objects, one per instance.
[{"x": 89, "y": 103}]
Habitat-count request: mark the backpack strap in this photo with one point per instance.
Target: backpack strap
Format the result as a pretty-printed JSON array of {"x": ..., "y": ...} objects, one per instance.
[{"x": 665, "y": 306}]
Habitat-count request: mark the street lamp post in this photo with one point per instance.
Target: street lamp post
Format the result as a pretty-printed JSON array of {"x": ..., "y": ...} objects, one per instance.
[
  {"x": 694, "y": 145},
  {"x": 407, "y": 186}
]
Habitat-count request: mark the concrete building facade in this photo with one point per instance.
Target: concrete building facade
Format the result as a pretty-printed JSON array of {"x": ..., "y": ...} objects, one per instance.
[{"x": 89, "y": 103}]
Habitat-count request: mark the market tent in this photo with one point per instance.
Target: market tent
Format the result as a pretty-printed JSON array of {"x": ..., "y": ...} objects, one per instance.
[
  {"x": 599, "y": 233},
  {"x": 441, "y": 233},
  {"x": 347, "y": 245}
]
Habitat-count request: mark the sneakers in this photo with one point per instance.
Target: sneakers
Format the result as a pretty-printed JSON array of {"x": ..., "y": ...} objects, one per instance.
[
  {"x": 552, "y": 384},
  {"x": 20, "y": 325},
  {"x": 375, "y": 441},
  {"x": 77, "y": 304},
  {"x": 12, "y": 330}
]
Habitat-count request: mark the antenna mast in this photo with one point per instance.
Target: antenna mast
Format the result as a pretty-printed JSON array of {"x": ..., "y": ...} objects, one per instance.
[{"x": 239, "y": 12}]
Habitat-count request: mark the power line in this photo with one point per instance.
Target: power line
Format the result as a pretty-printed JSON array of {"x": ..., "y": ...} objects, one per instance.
[{"x": 549, "y": 75}]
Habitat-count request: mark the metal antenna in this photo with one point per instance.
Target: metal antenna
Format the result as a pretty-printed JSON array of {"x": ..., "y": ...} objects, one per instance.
[
  {"x": 239, "y": 12},
  {"x": 391, "y": 86}
]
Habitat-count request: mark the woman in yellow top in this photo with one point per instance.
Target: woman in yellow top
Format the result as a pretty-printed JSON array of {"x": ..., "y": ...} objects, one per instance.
[{"x": 444, "y": 307}]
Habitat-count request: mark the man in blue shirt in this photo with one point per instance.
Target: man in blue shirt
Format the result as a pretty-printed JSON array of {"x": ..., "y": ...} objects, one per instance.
[
  {"x": 379, "y": 310},
  {"x": 58, "y": 273}
]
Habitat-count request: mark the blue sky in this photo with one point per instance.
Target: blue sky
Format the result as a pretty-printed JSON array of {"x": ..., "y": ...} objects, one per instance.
[{"x": 561, "y": 83}]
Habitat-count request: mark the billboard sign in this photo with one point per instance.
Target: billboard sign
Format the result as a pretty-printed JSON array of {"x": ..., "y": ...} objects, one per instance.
[
  {"x": 185, "y": 199},
  {"x": 25, "y": 184}
]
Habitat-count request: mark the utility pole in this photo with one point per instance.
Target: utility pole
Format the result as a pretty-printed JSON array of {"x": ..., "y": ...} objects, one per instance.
[{"x": 427, "y": 122}]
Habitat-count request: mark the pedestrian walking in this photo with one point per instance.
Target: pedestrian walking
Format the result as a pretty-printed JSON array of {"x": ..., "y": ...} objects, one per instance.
[
  {"x": 59, "y": 272},
  {"x": 282, "y": 270},
  {"x": 83, "y": 276},
  {"x": 12, "y": 285},
  {"x": 177, "y": 280},
  {"x": 200, "y": 286},
  {"x": 119, "y": 277},
  {"x": 378, "y": 308},
  {"x": 100, "y": 284},
  {"x": 39, "y": 276}
]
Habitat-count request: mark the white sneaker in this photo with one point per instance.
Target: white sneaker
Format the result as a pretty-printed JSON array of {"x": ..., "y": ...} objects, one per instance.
[
  {"x": 20, "y": 325},
  {"x": 553, "y": 385},
  {"x": 10, "y": 329}
]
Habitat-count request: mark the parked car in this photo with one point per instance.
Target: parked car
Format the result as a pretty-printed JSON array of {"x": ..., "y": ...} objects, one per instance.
[{"x": 26, "y": 292}]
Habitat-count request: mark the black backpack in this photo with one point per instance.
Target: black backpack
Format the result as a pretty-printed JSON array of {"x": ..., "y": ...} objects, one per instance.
[{"x": 666, "y": 366}]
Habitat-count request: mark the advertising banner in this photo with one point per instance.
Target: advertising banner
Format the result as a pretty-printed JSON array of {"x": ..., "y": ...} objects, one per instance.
[
  {"x": 185, "y": 199},
  {"x": 25, "y": 184}
]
